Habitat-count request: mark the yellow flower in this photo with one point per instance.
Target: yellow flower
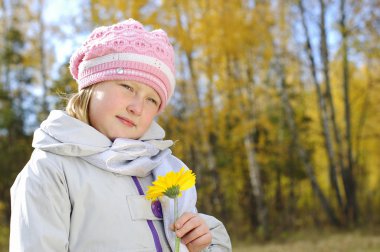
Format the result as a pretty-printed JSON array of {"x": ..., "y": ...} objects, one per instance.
[{"x": 171, "y": 185}]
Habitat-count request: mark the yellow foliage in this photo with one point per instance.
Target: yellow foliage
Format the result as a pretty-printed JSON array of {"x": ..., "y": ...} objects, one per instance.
[{"x": 235, "y": 61}]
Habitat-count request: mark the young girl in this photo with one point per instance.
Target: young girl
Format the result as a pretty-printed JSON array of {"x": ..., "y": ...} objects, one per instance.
[{"x": 83, "y": 188}]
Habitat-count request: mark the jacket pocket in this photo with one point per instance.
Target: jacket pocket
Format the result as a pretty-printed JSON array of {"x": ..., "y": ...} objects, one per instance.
[{"x": 141, "y": 208}]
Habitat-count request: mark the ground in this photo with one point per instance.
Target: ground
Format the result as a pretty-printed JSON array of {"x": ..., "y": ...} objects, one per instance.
[{"x": 358, "y": 240}]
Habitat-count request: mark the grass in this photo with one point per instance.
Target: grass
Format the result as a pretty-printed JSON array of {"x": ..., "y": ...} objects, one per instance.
[
  {"x": 304, "y": 241},
  {"x": 314, "y": 241}
]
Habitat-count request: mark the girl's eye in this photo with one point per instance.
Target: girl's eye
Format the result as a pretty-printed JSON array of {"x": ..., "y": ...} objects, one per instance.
[
  {"x": 128, "y": 87},
  {"x": 153, "y": 101}
]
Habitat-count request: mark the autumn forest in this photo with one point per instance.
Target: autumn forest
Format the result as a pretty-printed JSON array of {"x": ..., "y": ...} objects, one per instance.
[{"x": 276, "y": 107}]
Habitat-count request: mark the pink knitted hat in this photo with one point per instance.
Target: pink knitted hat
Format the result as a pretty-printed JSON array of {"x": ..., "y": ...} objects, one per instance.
[{"x": 126, "y": 51}]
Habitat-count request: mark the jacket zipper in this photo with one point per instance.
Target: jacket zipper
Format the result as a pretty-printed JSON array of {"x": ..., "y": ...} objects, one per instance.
[{"x": 150, "y": 222}]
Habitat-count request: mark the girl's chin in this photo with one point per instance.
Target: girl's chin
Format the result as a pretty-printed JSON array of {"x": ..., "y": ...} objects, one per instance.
[{"x": 128, "y": 136}]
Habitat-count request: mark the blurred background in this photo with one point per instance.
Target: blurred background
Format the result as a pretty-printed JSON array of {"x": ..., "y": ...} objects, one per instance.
[{"x": 276, "y": 108}]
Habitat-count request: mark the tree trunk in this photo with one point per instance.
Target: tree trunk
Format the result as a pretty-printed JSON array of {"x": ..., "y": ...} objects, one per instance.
[
  {"x": 349, "y": 181},
  {"x": 235, "y": 71},
  {"x": 255, "y": 179},
  {"x": 331, "y": 110},
  {"x": 290, "y": 119},
  {"x": 321, "y": 103}
]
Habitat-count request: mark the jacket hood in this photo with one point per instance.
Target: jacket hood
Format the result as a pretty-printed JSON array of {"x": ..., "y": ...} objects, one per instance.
[{"x": 64, "y": 135}]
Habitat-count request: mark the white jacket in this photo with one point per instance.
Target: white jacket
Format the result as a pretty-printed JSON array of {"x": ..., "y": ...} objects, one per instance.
[{"x": 63, "y": 200}]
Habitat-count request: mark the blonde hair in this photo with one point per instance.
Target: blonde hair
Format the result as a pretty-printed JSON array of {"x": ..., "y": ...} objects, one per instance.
[{"x": 78, "y": 104}]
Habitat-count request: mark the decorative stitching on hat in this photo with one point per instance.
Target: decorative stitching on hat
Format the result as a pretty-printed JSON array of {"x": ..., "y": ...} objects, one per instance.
[
  {"x": 126, "y": 72},
  {"x": 129, "y": 57},
  {"x": 97, "y": 73}
]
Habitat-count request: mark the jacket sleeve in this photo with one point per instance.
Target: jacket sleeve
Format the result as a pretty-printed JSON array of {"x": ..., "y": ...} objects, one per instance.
[
  {"x": 40, "y": 205},
  {"x": 220, "y": 238}
]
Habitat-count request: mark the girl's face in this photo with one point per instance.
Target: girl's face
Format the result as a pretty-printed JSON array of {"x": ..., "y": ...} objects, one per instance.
[{"x": 123, "y": 109}]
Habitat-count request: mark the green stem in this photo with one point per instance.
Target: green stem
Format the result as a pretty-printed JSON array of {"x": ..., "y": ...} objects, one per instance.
[{"x": 177, "y": 240}]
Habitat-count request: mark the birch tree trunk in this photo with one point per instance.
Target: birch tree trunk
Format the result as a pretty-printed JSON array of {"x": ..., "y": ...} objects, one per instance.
[
  {"x": 321, "y": 104},
  {"x": 331, "y": 108},
  {"x": 290, "y": 120},
  {"x": 255, "y": 179},
  {"x": 348, "y": 177},
  {"x": 253, "y": 166}
]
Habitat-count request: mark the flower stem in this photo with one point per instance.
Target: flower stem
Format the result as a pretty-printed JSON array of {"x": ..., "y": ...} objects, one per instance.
[{"x": 177, "y": 240}]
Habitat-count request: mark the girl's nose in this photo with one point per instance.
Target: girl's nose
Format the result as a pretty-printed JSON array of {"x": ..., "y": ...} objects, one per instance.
[{"x": 135, "y": 106}]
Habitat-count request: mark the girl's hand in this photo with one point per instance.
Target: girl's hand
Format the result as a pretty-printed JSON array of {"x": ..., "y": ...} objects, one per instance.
[{"x": 193, "y": 231}]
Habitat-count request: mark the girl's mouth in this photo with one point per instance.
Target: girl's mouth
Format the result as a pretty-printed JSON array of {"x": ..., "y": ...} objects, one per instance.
[{"x": 126, "y": 121}]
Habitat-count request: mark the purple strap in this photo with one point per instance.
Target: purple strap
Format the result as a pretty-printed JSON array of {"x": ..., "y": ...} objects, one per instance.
[{"x": 150, "y": 222}]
